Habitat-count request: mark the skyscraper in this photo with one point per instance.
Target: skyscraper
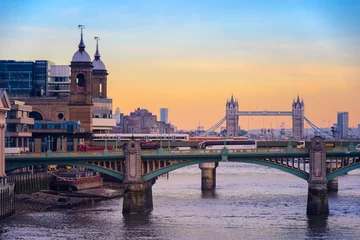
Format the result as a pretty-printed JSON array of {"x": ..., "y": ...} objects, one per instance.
[
  {"x": 343, "y": 124},
  {"x": 164, "y": 115}
]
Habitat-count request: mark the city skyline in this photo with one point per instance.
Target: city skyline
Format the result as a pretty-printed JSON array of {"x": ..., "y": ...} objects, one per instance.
[{"x": 193, "y": 57}]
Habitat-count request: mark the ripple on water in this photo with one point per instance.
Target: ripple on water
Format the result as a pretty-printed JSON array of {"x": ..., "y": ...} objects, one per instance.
[{"x": 249, "y": 203}]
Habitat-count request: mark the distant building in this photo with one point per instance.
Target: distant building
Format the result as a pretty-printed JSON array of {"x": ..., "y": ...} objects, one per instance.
[
  {"x": 164, "y": 115},
  {"x": 25, "y": 78},
  {"x": 143, "y": 121},
  {"x": 343, "y": 124},
  {"x": 117, "y": 116}
]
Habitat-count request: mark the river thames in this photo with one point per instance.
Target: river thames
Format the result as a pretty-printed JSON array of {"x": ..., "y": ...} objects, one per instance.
[{"x": 250, "y": 202}]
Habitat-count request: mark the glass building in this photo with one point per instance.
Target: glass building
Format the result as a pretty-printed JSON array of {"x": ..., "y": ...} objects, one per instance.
[
  {"x": 25, "y": 78},
  {"x": 60, "y": 81},
  {"x": 164, "y": 115},
  {"x": 343, "y": 124}
]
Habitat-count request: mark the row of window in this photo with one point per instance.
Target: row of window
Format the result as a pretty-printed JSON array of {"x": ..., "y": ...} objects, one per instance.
[{"x": 70, "y": 127}]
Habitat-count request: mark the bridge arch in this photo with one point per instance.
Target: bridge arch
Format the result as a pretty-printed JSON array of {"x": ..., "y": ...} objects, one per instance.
[
  {"x": 106, "y": 171},
  {"x": 158, "y": 172},
  {"x": 342, "y": 171}
]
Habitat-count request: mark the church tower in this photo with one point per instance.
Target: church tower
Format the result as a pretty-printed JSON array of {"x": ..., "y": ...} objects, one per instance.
[
  {"x": 99, "y": 75},
  {"x": 232, "y": 119},
  {"x": 298, "y": 118},
  {"x": 81, "y": 94}
]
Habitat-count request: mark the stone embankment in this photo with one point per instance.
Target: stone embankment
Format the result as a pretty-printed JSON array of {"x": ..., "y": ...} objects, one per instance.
[{"x": 47, "y": 200}]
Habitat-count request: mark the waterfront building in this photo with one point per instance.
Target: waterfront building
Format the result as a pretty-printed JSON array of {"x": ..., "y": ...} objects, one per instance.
[
  {"x": 164, "y": 115},
  {"x": 343, "y": 124},
  {"x": 55, "y": 136},
  {"x": 18, "y": 124},
  {"x": 7, "y": 198},
  {"x": 25, "y": 78},
  {"x": 4, "y": 108},
  {"x": 77, "y": 95}
]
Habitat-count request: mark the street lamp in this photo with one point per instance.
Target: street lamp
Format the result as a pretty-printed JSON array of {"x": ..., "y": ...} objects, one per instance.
[
  {"x": 105, "y": 142},
  {"x": 62, "y": 143},
  {"x": 118, "y": 139},
  {"x": 49, "y": 140},
  {"x": 169, "y": 142}
]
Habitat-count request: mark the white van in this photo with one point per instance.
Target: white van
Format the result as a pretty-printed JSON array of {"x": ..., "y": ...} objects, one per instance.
[{"x": 183, "y": 149}]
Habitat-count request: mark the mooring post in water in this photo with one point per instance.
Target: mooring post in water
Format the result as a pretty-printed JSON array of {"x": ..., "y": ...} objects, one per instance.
[
  {"x": 317, "y": 203},
  {"x": 137, "y": 194}
]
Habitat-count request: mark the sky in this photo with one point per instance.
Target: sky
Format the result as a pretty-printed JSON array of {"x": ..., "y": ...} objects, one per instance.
[{"x": 190, "y": 56}]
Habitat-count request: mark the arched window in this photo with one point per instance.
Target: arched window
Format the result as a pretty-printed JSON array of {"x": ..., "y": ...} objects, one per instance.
[
  {"x": 35, "y": 115},
  {"x": 80, "y": 82},
  {"x": 100, "y": 89}
]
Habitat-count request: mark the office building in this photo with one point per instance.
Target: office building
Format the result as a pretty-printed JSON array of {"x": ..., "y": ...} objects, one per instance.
[
  {"x": 164, "y": 115},
  {"x": 343, "y": 125},
  {"x": 60, "y": 81},
  {"x": 25, "y": 78}
]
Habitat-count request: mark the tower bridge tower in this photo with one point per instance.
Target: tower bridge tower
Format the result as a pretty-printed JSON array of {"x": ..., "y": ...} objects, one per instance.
[
  {"x": 298, "y": 118},
  {"x": 232, "y": 118}
]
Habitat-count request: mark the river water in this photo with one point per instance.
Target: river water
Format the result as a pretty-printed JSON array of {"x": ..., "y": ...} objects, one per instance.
[{"x": 250, "y": 202}]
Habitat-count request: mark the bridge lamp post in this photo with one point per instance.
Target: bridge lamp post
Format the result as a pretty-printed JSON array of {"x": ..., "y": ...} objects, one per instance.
[
  {"x": 49, "y": 140},
  {"x": 62, "y": 143},
  {"x": 289, "y": 147},
  {"x": 351, "y": 146},
  {"x": 161, "y": 150},
  {"x": 118, "y": 139},
  {"x": 169, "y": 142},
  {"x": 161, "y": 140}
]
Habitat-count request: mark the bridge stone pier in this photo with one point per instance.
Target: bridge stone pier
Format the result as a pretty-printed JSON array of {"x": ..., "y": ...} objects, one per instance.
[
  {"x": 137, "y": 193},
  {"x": 317, "y": 203},
  {"x": 332, "y": 185},
  {"x": 208, "y": 175}
]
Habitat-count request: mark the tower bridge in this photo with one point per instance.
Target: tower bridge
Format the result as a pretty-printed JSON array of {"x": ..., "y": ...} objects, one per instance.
[
  {"x": 297, "y": 114},
  {"x": 138, "y": 169}
]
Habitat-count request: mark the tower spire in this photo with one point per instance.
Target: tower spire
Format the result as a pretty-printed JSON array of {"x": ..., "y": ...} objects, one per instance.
[
  {"x": 81, "y": 44},
  {"x": 97, "y": 54}
]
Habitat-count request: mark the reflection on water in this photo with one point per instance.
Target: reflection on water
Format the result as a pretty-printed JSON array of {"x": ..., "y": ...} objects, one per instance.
[
  {"x": 208, "y": 194},
  {"x": 250, "y": 202},
  {"x": 317, "y": 226}
]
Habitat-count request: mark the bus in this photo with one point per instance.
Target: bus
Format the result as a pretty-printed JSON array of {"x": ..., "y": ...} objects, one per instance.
[
  {"x": 300, "y": 144},
  {"x": 230, "y": 144},
  {"x": 124, "y": 137},
  {"x": 12, "y": 151}
]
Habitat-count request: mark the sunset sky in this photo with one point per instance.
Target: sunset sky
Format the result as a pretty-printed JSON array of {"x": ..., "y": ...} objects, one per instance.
[{"x": 190, "y": 56}]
